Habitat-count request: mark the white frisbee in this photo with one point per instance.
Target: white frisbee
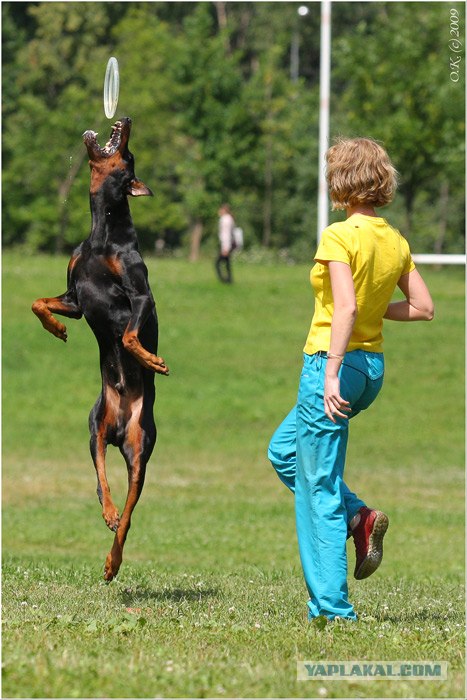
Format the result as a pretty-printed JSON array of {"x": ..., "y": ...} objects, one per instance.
[{"x": 111, "y": 87}]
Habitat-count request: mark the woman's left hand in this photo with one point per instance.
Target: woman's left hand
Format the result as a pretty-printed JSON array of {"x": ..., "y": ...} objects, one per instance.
[{"x": 334, "y": 404}]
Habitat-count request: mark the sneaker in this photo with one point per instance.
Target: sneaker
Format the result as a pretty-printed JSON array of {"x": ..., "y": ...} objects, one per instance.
[{"x": 368, "y": 537}]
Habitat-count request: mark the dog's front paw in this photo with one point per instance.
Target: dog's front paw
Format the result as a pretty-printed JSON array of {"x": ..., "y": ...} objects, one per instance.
[
  {"x": 47, "y": 319},
  {"x": 160, "y": 367},
  {"x": 56, "y": 328},
  {"x": 155, "y": 364},
  {"x": 60, "y": 332}
]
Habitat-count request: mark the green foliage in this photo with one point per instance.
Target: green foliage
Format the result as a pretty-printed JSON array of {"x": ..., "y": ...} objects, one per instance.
[
  {"x": 210, "y": 600},
  {"x": 217, "y": 116},
  {"x": 401, "y": 94}
]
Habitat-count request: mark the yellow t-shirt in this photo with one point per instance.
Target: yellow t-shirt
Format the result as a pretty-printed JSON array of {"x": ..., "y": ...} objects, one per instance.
[{"x": 378, "y": 256}]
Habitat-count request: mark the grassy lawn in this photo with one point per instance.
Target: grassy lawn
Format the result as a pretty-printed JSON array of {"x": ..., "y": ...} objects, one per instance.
[{"x": 210, "y": 600}]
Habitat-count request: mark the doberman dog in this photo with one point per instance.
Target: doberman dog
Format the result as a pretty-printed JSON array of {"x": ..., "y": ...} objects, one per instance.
[{"x": 108, "y": 283}]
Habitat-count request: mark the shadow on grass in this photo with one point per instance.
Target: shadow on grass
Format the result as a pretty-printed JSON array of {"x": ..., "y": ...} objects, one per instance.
[
  {"x": 420, "y": 616},
  {"x": 176, "y": 595}
]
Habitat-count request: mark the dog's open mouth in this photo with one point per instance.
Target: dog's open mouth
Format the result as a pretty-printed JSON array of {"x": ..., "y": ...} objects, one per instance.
[{"x": 118, "y": 138}]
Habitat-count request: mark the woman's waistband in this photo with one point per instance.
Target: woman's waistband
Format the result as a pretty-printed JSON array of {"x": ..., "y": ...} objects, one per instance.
[{"x": 370, "y": 363}]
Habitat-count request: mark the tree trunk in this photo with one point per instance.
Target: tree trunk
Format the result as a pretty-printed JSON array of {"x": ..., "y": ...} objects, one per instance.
[
  {"x": 196, "y": 235},
  {"x": 267, "y": 203},
  {"x": 63, "y": 192},
  {"x": 268, "y": 164},
  {"x": 443, "y": 217},
  {"x": 221, "y": 14},
  {"x": 222, "y": 22},
  {"x": 408, "y": 200}
]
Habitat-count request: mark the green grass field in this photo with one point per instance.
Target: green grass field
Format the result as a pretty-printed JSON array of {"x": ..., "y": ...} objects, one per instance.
[{"x": 210, "y": 600}]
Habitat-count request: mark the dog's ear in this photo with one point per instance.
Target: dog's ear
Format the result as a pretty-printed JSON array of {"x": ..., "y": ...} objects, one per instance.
[{"x": 137, "y": 188}]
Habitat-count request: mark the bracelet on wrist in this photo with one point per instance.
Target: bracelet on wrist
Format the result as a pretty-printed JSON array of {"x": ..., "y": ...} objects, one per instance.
[{"x": 332, "y": 356}]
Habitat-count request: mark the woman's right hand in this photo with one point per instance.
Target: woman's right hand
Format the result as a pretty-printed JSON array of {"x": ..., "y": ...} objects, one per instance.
[{"x": 334, "y": 404}]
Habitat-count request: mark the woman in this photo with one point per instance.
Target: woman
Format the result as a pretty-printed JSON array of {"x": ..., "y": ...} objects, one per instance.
[
  {"x": 359, "y": 262},
  {"x": 226, "y": 241}
]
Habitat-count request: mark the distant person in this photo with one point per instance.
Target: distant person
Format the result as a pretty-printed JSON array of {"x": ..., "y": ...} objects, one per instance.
[
  {"x": 226, "y": 244},
  {"x": 359, "y": 262}
]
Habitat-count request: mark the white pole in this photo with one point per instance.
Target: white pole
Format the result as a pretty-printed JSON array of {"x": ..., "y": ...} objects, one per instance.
[{"x": 324, "y": 96}]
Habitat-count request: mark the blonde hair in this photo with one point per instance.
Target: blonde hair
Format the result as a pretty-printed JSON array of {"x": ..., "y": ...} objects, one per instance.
[{"x": 359, "y": 171}]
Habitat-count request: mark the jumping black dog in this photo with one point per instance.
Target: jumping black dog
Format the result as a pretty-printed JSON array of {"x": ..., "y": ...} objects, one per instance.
[{"x": 107, "y": 282}]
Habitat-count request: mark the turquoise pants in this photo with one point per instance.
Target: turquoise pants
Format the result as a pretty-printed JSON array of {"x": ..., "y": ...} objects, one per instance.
[{"x": 308, "y": 453}]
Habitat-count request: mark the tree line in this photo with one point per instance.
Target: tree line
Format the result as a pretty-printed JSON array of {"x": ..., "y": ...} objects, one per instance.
[{"x": 224, "y": 98}]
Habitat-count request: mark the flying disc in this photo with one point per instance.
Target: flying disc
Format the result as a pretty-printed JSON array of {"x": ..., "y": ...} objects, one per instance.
[{"x": 111, "y": 87}]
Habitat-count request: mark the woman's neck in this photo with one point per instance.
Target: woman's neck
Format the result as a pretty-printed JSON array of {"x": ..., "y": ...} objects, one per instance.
[{"x": 361, "y": 209}]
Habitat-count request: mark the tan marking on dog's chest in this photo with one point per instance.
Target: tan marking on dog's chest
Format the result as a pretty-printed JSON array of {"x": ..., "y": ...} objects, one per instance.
[{"x": 114, "y": 264}]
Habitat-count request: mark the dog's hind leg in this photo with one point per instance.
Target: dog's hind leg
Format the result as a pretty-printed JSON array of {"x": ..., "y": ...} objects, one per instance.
[
  {"x": 102, "y": 422},
  {"x": 140, "y": 437}
]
